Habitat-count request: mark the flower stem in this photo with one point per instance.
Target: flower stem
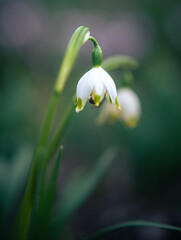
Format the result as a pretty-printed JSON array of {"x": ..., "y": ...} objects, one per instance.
[
  {"x": 77, "y": 40},
  {"x": 59, "y": 132},
  {"x": 54, "y": 144},
  {"x": 96, "y": 53},
  {"x": 94, "y": 41}
]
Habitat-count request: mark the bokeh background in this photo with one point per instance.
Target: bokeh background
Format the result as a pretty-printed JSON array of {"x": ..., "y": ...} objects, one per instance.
[{"x": 144, "y": 181}]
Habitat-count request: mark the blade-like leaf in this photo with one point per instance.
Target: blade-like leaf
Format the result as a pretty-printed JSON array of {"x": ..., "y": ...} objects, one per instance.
[
  {"x": 55, "y": 141},
  {"x": 13, "y": 178},
  {"x": 105, "y": 231},
  {"x": 36, "y": 202},
  {"x": 80, "y": 188},
  {"x": 70, "y": 56},
  {"x": 75, "y": 43},
  {"x": 51, "y": 189},
  {"x": 47, "y": 200}
]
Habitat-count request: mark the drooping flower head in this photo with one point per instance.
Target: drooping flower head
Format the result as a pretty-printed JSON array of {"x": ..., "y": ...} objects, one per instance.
[
  {"x": 130, "y": 108},
  {"x": 96, "y": 83}
]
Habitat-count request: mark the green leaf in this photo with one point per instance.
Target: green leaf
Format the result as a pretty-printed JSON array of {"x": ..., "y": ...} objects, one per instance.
[
  {"x": 47, "y": 200},
  {"x": 72, "y": 50},
  {"x": 79, "y": 188},
  {"x": 105, "y": 231},
  {"x": 61, "y": 129},
  {"x": 52, "y": 184},
  {"x": 36, "y": 202},
  {"x": 70, "y": 56},
  {"x": 13, "y": 178},
  {"x": 119, "y": 62}
]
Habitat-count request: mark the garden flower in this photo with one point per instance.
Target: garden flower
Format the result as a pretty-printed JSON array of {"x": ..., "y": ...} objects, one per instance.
[
  {"x": 96, "y": 83},
  {"x": 130, "y": 108},
  {"x": 94, "y": 86}
]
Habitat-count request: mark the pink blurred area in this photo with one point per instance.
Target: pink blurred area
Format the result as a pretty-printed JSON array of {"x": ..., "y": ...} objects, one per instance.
[{"x": 31, "y": 27}]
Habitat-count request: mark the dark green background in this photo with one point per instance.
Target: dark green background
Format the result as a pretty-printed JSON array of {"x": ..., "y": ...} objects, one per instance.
[{"x": 145, "y": 180}]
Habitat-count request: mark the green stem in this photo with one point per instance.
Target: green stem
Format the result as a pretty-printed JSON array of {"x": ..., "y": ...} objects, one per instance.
[
  {"x": 94, "y": 41},
  {"x": 43, "y": 137},
  {"x": 25, "y": 210},
  {"x": 69, "y": 59},
  {"x": 54, "y": 144},
  {"x": 46, "y": 204},
  {"x": 96, "y": 53},
  {"x": 36, "y": 202},
  {"x": 60, "y": 132},
  {"x": 48, "y": 120}
]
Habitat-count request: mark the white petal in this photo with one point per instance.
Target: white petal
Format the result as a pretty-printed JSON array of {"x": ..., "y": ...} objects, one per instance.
[
  {"x": 98, "y": 85},
  {"x": 130, "y": 109},
  {"x": 84, "y": 88},
  {"x": 109, "y": 84},
  {"x": 130, "y": 104}
]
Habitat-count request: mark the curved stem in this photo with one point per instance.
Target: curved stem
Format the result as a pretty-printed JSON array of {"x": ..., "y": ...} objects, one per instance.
[
  {"x": 94, "y": 41},
  {"x": 72, "y": 50}
]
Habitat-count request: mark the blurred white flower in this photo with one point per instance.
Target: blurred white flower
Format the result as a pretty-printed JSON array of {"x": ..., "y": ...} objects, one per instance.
[
  {"x": 94, "y": 86},
  {"x": 130, "y": 109}
]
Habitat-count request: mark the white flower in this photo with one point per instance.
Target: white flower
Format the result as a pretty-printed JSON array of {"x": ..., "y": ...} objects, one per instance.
[
  {"x": 94, "y": 86},
  {"x": 130, "y": 108}
]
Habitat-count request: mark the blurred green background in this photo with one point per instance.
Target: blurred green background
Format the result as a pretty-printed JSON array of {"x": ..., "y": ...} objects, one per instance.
[{"x": 145, "y": 180}]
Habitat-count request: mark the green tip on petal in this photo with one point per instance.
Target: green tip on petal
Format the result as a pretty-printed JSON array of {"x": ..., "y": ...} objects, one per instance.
[
  {"x": 116, "y": 103},
  {"x": 97, "y": 100},
  {"x": 110, "y": 99},
  {"x": 79, "y": 104}
]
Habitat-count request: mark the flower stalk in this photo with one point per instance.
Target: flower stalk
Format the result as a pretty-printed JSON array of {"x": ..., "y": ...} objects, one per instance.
[
  {"x": 96, "y": 53},
  {"x": 78, "y": 39},
  {"x": 96, "y": 91}
]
